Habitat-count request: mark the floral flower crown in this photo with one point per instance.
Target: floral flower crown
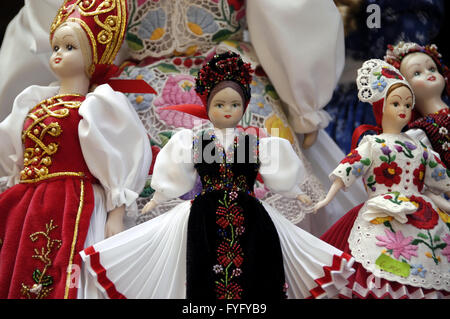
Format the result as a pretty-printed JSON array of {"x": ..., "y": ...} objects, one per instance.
[
  {"x": 396, "y": 53},
  {"x": 227, "y": 66}
]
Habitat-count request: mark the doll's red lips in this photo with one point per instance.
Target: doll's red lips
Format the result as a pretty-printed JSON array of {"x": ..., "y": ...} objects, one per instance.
[
  {"x": 431, "y": 78},
  {"x": 57, "y": 60},
  {"x": 402, "y": 115},
  {"x": 227, "y": 116}
]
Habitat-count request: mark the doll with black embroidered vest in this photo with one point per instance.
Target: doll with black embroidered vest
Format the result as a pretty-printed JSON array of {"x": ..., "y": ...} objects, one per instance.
[
  {"x": 67, "y": 155},
  {"x": 224, "y": 244},
  {"x": 399, "y": 236},
  {"x": 423, "y": 68}
]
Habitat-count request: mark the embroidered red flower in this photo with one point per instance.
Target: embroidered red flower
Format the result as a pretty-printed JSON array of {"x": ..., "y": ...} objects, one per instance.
[
  {"x": 351, "y": 157},
  {"x": 425, "y": 217},
  {"x": 390, "y": 74},
  {"x": 388, "y": 174},
  {"x": 236, "y": 4},
  {"x": 230, "y": 291},
  {"x": 231, "y": 215},
  {"x": 230, "y": 254},
  {"x": 419, "y": 175}
]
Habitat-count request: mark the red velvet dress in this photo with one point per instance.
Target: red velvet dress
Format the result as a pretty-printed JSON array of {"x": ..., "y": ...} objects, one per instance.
[{"x": 45, "y": 218}]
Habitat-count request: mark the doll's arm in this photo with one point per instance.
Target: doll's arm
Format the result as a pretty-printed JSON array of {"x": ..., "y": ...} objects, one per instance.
[
  {"x": 300, "y": 45},
  {"x": 337, "y": 185},
  {"x": 174, "y": 173}
]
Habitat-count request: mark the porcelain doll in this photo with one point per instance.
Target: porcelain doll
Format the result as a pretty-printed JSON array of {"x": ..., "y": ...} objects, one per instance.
[
  {"x": 423, "y": 68},
  {"x": 68, "y": 160},
  {"x": 399, "y": 238},
  {"x": 225, "y": 243}
]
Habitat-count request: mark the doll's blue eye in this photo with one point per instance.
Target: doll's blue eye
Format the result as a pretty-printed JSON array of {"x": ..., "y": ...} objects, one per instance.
[
  {"x": 55, "y": 48},
  {"x": 69, "y": 47},
  {"x": 235, "y": 105},
  {"x": 432, "y": 69}
]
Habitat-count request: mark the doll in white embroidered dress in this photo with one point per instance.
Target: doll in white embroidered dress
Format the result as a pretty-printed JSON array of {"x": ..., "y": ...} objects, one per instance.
[
  {"x": 399, "y": 237},
  {"x": 225, "y": 243},
  {"x": 66, "y": 154}
]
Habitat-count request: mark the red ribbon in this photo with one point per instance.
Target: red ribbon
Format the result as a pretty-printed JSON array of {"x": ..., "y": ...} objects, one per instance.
[
  {"x": 104, "y": 73},
  {"x": 360, "y": 130}
]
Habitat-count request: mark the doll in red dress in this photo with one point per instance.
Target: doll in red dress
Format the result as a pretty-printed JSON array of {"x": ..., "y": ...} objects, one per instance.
[{"x": 74, "y": 158}]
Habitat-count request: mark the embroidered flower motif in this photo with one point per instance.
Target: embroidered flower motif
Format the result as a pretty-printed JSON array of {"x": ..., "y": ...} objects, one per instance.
[
  {"x": 178, "y": 90},
  {"x": 410, "y": 146},
  {"x": 358, "y": 169},
  {"x": 228, "y": 255},
  {"x": 152, "y": 25},
  {"x": 390, "y": 74},
  {"x": 379, "y": 84},
  {"x": 231, "y": 215},
  {"x": 388, "y": 174},
  {"x": 235, "y": 4},
  {"x": 398, "y": 148},
  {"x": 385, "y": 149},
  {"x": 419, "y": 174},
  {"x": 446, "y": 250},
  {"x": 237, "y": 272},
  {"x": 418, "y": 270},
  {"x": 200, "y": 21},
  {"x": 439, "y": 173},
  {"x": 140, "y": 102},
  {"x": 445, "y": 146},
  {"x": 230, "y": 291},
  {"x": 351, "y": 157},
  {"x": 425, "y": 217},
  {"x": 443, "y": 131},
  {"x": 398, "y": 244},
  {"x": 240, "y": 230},
  {"x": 276, "y": 127},
  {"x": 217, "y": 269}
]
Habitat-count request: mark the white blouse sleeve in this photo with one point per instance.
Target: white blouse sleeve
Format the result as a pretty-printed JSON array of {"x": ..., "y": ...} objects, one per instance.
[
  {"x": 281, "y": 169},
  {"x": 174, "y": 173},
  {"x": 11, "y": 149},
  {"x": 115, "y": 145},
  {"x": 300, "y": 45}
]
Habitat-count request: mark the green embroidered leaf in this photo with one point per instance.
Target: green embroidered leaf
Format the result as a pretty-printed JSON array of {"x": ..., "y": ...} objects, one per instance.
[
  {"x": 432, "y": 164},
  {"x": 366, "y": 162},
  {"x": 147, "y": 191},
  {"x": 440, "y": 246},
  {"x": 379, "y": 140},
  {"x": 165, "y": 137},
  {"x": 134, "y": 43},
  {"x": 417, "y": 242},
  {"x": 47, "y": 281},
  {"x": 370, "y": 180},
  {"x": 167, "y": 68},
  {"x": 384, "y": 158},
  {"x": 37, "y": 275},
  {"x": 270, "y": 91},
  {"x": 194, "y": 72},
  {"x": 348, "y": 170},
  {"x": 436, "y": 238},
  {"x": 393, "y": 266},
  {"x": 393, "y": 157},
  {"x": 422, "y": 236},
  {"x": 221, "y": 35}
]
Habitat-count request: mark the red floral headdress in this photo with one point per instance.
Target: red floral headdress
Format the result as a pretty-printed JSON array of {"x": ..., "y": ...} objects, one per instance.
[
  {"x": 227, "y": 66},
  {"x": 104, "y": 22}
]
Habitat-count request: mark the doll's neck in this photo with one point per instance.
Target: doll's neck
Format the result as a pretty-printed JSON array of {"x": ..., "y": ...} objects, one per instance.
[
  {"x": 74, "y": 85},
  {"x": 430, "y": 106},
  {"x": 225, "y": 135}
]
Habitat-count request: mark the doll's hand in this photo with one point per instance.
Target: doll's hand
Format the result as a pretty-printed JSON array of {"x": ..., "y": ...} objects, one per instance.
[
  {"x": 149, "y": 206},
  {"x": 114, "y": 222},
  {"x": 305, "y": 199},
  {"x": 309, "y": 139},
  {"x": 320, "y": 204}
]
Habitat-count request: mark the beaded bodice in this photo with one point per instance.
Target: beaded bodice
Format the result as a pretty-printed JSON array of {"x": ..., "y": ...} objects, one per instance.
[{"x": 233, "y": 170}]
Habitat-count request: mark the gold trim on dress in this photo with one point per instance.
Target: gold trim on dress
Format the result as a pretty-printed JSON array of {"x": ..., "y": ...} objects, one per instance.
[{"x": 74, "y": 240}]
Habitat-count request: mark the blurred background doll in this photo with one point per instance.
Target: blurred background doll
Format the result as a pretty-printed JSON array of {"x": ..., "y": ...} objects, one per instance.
[
  {"x": 225, "y": 242},
  {"x": 399, "y": 237},
  {"x": 297, "y": 62},
  {"x": 65, "y": 152},
  {"x": 420, "y": 21},
  {"x": 423, "y": 68}
]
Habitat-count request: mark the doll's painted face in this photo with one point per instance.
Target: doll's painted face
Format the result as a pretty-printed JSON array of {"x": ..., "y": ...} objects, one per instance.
[
  {"x": 226, "y": 108},
  {"x": 398, "y": 108},
  {"x": 422, "y": 74},
  {"x": 67, "y": 58}
]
